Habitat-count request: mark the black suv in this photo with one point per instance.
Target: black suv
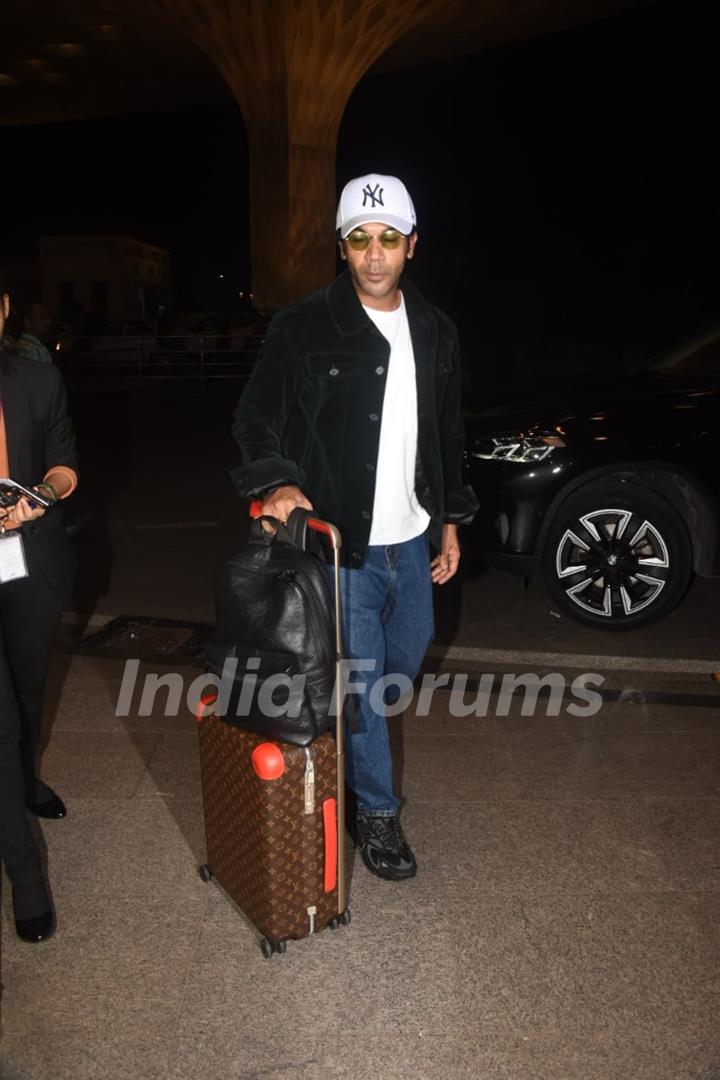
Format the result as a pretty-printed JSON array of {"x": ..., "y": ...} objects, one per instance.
[{"x": 606, "y": 487}]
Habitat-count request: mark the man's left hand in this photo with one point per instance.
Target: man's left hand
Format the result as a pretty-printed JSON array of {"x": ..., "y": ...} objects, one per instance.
[
  {"x": 21, "y": 513},
  {"x": 445, "y": 565}
]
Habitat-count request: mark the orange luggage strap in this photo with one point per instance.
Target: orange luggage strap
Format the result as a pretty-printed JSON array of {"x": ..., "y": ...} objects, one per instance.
[{"x": 331, "y": 843}]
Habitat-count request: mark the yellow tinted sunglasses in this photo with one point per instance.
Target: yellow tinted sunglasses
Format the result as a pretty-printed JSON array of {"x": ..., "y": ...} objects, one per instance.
[{"x": 360, "y": 240}]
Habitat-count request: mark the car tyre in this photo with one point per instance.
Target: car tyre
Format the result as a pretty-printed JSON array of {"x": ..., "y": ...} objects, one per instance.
[{"x": 617, "y": 556}]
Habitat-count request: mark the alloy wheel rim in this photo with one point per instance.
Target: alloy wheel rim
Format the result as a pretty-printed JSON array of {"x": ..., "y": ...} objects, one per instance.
[{"x": 613, "y": 563}]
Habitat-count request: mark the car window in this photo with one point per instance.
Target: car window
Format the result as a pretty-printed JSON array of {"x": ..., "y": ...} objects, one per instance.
[{"x": 697, "y": 362}]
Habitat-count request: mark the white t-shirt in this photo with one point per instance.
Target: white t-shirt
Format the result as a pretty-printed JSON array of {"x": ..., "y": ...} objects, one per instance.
[{"x": 397, "y": 515}]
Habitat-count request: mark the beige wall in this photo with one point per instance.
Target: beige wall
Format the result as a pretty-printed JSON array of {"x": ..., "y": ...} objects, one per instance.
[{"x": 124, "y": 264}]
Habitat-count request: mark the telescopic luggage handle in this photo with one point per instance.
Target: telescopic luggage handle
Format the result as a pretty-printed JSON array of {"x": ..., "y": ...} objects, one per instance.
[{"x": 299, "y": 521}]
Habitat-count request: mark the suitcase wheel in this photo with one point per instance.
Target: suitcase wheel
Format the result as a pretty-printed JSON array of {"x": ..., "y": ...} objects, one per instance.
[
  {"x": 205, "y": 872},
  {"x": 340, "y": 920},
  {"x": 268, "y": 947}
]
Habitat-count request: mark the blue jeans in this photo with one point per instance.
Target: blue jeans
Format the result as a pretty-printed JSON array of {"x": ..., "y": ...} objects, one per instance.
[{"x": 387, "y": 618}]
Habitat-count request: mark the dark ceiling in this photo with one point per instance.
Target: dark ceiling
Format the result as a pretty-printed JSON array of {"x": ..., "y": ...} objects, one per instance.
[
  {"x": 85, "y": 58},
  {"x": 81, "y": 58}
]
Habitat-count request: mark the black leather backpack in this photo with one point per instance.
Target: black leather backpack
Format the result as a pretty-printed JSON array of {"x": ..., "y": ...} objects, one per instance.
[{"x": 274, "y": 638}]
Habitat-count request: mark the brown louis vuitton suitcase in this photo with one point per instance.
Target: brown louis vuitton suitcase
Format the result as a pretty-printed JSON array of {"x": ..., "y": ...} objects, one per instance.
[{"x": 275, "y": 817}]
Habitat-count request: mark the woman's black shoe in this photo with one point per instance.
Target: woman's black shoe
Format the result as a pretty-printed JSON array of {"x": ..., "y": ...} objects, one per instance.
[
  {"x": 53, "y": 808},
  {"x": 37, "y": 929}
]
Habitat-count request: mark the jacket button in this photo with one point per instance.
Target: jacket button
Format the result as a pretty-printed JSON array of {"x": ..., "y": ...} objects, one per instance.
[
  {"x": 356, "y": 556},
  {"x": 334, "y": 371},
  {"x": 365, "y": 514},
  {"x": 374, "y": 416},
  {"x": 379, "y": 370},
  {"x": 370, "y": 467}
]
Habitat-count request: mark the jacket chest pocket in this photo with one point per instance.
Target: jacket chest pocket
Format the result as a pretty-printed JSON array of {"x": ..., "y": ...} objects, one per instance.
[
  {"x": 334, "y": 388},
  {"x": 333, "y": 370}
]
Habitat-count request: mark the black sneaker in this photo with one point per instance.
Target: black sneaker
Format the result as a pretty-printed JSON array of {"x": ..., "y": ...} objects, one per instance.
[{"x": 384, "y": 849}]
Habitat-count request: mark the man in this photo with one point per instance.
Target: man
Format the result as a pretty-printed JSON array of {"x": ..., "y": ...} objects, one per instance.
[
  {"x": 34, "y": 320},
  {"x": 353, "y": 410}
]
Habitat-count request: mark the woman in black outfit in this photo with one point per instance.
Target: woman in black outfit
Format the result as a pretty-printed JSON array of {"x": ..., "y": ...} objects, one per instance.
[{"x": 37, "y": 450}]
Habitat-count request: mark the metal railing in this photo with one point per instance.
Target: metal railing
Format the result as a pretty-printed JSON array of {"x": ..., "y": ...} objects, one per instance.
[{"x": 201, "y": 358}]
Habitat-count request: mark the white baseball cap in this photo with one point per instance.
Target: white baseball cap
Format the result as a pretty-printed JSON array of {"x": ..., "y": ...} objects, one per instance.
[{"x": 384, "y": 199}]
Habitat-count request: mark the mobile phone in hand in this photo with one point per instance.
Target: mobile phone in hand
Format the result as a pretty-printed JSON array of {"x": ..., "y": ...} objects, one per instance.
[{"x": 11, "y": 492}]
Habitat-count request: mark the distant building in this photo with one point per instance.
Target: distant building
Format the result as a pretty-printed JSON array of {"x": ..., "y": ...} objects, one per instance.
[{"x": 93, "y": 281}]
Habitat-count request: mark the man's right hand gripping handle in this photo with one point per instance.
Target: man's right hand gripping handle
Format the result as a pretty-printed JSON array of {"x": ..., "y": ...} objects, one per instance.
[{"x": 281, "y": 502}]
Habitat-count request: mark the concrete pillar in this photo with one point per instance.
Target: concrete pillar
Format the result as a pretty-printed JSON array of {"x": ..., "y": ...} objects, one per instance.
[{"x": 292, "y": 65}]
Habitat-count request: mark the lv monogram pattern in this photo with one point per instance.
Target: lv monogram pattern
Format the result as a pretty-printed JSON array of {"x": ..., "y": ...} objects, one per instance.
[{"x": 265, "y": 851}]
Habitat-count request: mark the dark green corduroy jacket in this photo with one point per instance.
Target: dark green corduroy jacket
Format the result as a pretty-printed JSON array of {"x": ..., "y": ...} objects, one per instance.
[{"x": 311, "y": 412}]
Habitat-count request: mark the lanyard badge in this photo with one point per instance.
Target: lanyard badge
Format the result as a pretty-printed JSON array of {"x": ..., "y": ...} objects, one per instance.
[{"x": 13, "y": 564}]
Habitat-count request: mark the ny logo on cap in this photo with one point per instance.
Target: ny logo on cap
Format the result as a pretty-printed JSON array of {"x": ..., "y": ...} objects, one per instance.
[{"x": 374, "y": 194}]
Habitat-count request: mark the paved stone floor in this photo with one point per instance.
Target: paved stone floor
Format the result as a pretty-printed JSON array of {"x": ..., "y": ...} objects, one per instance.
[{"x": 565, "y": 923}]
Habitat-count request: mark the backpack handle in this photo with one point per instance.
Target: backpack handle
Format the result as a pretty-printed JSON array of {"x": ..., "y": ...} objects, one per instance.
[{"x": 294, "y": 530}]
